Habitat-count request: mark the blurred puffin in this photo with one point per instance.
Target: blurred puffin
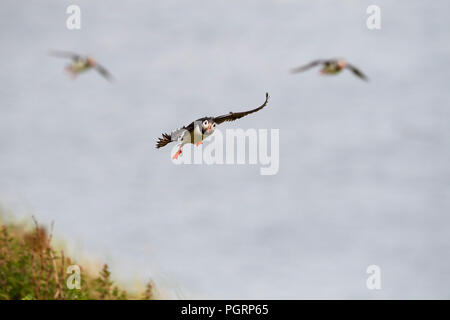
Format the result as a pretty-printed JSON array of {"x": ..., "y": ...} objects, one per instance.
[
  {"x": 332, "y": 66},
  {"x": 81, "y": 63},
  {"x": 201, "y": 128}
]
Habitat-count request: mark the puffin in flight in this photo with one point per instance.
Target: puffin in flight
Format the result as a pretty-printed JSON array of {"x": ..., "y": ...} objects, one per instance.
[
  {"x": 331, "y": 66},
  {"x": 81, "y": 63},
  {"x": 201, "y": 128}
]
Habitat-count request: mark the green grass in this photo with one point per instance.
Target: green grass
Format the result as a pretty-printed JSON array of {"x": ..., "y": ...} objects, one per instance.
[{"x": 32, "y": 269}]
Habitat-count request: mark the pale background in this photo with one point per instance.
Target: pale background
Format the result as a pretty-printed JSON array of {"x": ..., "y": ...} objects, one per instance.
[{"x": 364, "y": 167}]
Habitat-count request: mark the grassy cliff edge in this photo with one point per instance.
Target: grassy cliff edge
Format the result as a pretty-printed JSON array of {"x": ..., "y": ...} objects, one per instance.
[{"x": 31, "y": 268}]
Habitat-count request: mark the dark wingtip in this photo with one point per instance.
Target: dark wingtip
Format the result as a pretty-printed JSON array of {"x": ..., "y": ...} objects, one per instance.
[
  {"x": 110, "y": 78},
  {"x": 52, "y": 53},
  {"x": 166, "y": 138}
]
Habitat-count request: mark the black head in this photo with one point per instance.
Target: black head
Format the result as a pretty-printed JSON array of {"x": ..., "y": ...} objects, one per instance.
[{"x": 207, "y": 125}]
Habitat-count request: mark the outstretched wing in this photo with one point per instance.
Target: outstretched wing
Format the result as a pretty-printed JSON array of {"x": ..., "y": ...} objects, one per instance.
[
  {"x": 357, "y": 72},
  {"x": 176, "y": 135},
  {"x": 66, "y": 54},
  {"x": 105, "y": 73},
  {"x": 308, "y": 66},
  {"x": 237, "y": 115}
]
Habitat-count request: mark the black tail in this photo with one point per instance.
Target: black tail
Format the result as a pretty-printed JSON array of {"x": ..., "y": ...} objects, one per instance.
[{"x": 166, "y": 139}]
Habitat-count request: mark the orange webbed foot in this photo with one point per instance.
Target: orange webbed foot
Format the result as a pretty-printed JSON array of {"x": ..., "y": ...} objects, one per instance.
[
  {"x": 175, "y": 156},
  {"x": 198, "y": 143}
]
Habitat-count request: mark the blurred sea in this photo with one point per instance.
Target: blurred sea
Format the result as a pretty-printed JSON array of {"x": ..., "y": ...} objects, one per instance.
[{"x": 364, "y": 167}]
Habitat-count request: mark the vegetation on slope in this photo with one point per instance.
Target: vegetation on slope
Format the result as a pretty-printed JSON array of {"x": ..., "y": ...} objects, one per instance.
[{"x": 30, "y": 268}]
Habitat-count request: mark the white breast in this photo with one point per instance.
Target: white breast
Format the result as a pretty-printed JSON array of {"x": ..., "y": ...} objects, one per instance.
[{"x": 197, "y": 134}]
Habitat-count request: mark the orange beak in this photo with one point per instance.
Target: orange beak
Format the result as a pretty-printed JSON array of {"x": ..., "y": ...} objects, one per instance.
[
  {"x": 342, "y": 64},
  {"x": 209, "y": 128}
]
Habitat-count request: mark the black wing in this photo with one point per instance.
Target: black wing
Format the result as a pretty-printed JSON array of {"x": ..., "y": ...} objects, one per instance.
[
  {"x": 237, "y": 115},
  {"x": 175, "y": 135},
  {"x": 308, "y": 66},
  {"x": 161, "y": 142},
  {"x": 66, "y": 54},
  {"x": 105, "y": 73},
  {"x": 357, "y": 72}
]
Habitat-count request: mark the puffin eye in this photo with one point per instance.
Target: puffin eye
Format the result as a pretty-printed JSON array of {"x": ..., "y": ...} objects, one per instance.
[
  {"x": 205, "y": 123},
  {"x": 214, "y": 125}
]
